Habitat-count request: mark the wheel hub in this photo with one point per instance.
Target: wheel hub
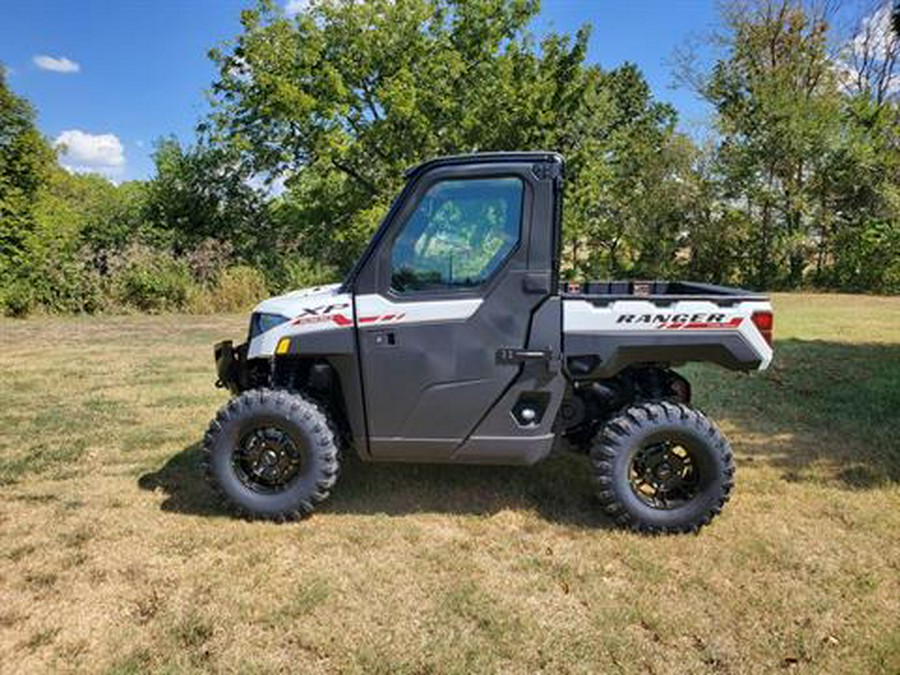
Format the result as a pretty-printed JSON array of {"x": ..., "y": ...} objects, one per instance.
[
  {"x": 663, "y": 475},
  {"x": 267, "y": 459}
]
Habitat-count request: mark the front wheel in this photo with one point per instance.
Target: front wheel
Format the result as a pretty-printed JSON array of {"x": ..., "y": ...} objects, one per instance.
[
  {"x": 662, "y": 467},
  {"x": 271, "y": 454}
]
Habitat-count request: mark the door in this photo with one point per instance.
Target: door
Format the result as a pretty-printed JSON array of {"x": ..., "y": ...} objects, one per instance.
[{"x": 450, "y": 284}]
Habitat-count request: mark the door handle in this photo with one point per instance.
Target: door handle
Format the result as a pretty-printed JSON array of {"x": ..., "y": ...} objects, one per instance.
[{"x": 512, "y": 356}]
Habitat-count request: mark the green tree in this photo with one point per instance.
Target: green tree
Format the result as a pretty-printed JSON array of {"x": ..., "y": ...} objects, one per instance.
[
  {"x": 80, "y": 223},
  {"x": 778, "y": 113},
  {"x": 25, "y": 161},
  {"x": 622, "y": 209},
  {"x": 343, "y": 97},
  {"x": 200, "y": 193},
  {"x": 857, "y": 238},
  {"x": 804, "y": 174}
]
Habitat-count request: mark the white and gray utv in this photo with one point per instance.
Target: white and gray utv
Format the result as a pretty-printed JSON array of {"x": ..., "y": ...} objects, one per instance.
[{"x": 452, "y": 340}]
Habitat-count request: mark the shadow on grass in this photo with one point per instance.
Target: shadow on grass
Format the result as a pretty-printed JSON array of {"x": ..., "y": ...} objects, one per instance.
[
  {"x": 559, "y": 489},
  {"x": 181, "y": 480},
  {"x": 824, "y": 411}
]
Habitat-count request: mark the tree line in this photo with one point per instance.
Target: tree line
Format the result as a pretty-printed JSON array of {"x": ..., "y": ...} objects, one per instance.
[{"x": 315, "y": 117}]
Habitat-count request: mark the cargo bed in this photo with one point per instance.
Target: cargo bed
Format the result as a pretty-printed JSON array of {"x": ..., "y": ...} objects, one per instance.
[
  {"x": 657, "y": 291},
  {"x": 610, "y": 325}
]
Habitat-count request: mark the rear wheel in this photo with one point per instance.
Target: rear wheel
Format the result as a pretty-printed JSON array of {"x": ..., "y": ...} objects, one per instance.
[
  {"x": 271, "y": 454},
  {"x": 662, "y": 467}
]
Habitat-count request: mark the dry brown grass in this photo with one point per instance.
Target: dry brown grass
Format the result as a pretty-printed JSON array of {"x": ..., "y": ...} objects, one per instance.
[{"x": 115, "y": 558}]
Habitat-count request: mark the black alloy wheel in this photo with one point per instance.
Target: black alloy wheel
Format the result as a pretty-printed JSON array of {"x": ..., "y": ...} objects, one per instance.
[{"x": 662, "y": 467}]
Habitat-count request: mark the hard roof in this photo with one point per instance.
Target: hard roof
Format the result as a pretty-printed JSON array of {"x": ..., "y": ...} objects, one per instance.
[{"x": 486, "y": 157}]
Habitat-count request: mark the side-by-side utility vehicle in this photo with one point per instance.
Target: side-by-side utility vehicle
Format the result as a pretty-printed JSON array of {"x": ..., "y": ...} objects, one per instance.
[{"x": 453, "y": 340}]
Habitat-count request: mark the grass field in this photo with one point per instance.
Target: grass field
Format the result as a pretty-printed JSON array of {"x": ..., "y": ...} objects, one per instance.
[{"x": 114, "y": 556}]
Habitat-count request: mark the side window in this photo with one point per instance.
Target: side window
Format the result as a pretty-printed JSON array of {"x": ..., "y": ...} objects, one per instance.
[{"x": 461, "y": 232}]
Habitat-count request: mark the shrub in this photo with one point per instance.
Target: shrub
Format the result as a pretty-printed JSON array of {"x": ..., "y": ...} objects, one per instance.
[
  {"x": 209, "y": 259},
  {"x": 866, "y": 258},
  {"x": 153, "y": 281},
  {"x": 69, "y": 285},
  {"x": 297, "y": 272},
  {"x": 56, "y": 279},
  {"x": 18, "y": 299},
  {"x": 236, "y": 289}
]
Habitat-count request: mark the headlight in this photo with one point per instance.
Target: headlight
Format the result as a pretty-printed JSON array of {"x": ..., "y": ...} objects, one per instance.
[{"x": 261, "y": 322}]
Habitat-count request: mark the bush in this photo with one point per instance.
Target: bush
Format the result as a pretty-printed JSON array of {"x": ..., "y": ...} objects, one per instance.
[
  {"x": 236, "y": 289},
  {"x": 18, "y": 299},
  {"x": 68, "y": 285},
  {"x": 209, "y": 259},
  {"x": 153, "y": 281},
  {"x": 55, "y": 280},
  {"x": 866, "y": 259},
  {"x": 296, "y": 272},
  {"x": 141, "y": 278}
]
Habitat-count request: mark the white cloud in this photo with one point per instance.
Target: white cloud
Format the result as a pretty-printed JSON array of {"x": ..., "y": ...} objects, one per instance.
[
  {"x": 875, "y": 34},
  {"x": 868, "y": 60},
  {"x": 56, "y": 64},
  {"x": 82, "y": 152},
  {"x": 292, "y": 7}
]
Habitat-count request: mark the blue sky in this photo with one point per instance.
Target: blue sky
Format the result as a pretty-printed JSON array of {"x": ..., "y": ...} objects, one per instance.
[{"x": 113, "y": 76}]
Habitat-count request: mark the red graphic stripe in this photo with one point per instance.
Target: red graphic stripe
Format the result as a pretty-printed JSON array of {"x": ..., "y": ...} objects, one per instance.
[
  {"x": 734, "y": 323},
  {"x": 343, "y": 321}
]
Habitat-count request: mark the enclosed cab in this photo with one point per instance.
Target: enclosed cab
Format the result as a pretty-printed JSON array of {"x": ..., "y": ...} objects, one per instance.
[{"x": 453, "y": 340}]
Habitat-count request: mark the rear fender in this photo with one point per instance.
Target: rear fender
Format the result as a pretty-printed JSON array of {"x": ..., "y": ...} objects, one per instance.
[{"x": 629, "y": 332}]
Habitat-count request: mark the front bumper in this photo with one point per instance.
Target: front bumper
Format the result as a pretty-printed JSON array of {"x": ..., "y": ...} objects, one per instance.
[{"x": 231, "y": 366}]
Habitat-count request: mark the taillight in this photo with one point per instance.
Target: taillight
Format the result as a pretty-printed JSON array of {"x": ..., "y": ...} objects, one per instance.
[{"x": 764, "y": 322}]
